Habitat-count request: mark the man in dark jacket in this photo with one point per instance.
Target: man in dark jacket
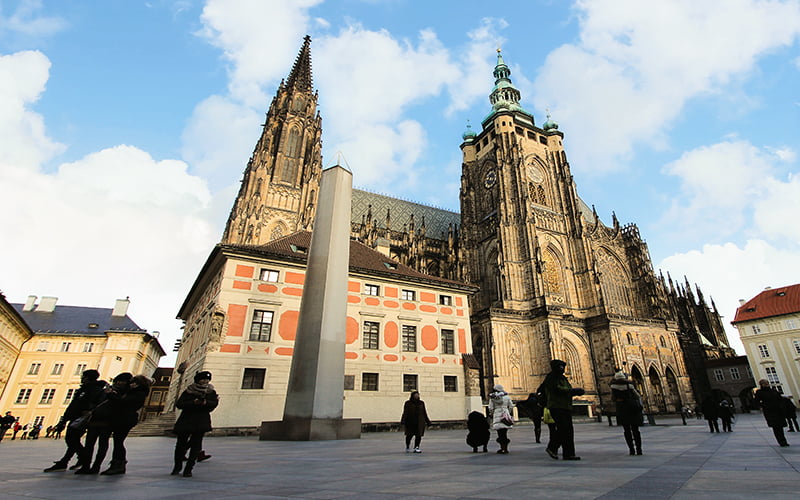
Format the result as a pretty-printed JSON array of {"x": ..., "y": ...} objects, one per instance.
[
  {"x": 533, "y": 410},
  {"x": 790, "y": 412},
  {"x": 196, "y": 404},
  {"x": 558, "y": 394},
  {"x": 6, "y": 422},
  {"x": 771, "y": 405},
  {"x": 90, "y": 394}
]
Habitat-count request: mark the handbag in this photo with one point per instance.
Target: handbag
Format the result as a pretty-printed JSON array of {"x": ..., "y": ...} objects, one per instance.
[
  {"x": 505, "y": 418},
  {"x": 547, "y": 417},
  {"x": 81, "y": 423}
]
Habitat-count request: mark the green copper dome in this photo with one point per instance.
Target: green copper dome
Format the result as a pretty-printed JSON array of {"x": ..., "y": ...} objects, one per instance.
[
  {"x": 549, "y": 124},
  {"x": 469, "y": 135}
]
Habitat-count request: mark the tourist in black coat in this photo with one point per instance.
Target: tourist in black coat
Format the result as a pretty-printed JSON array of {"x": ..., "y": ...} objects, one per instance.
[
  {"x": 125, "y": 415},
  {"x": 790, "y": 412},
  {"x": 414, "y": 419},
  {"x": 478, "y": 431},
  {"x": 90, "y": 394},
  {"x": 99, "y": 430},
  {"x": 772, "y": 407},
  {"x": 196, "y": 402},
  {"x": 711, "y": 412},
  {"x": 726, "y": 415},
  {"x": 629, "y": 411},
  {"x": 534, "y": 411}
]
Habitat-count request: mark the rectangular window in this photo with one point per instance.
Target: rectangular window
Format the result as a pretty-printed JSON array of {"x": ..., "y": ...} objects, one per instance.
[
  {"x": 749, "y": 371},
  {"x": 408, "y": 295},
  {"x": 261, "y": 327},
  {"x": 735, "y": 375},
  {"x": 763, "y": 351},
  {"x": 65, "y": 346},
  {"x": 756, "y": 329},
  {"x": 88, "y": 346},
  {"x": 70, "y": 394},
  {"x": 409, "y": 382},
  {"x": 448, "y": 342},
  {"x": 371, "y": 329},
  {"x": 38, "y": 420},
  {"x": 80, "y": 368},
  {"x": 372, "y": 290},
  {"x": 43, "y": 345},
  {"x": 796, "y": 344},
  {"x": 253, "y": 378},
  {"x": 369, "y": 381},
  {"x": 445, "y": 300},
  {"x": 269, "y": 275},
  {"x": 34, "y": 369},
  {"x": 47, "y": 396},
  {"x": 23, "y": 396},
  {"x": 450, "y": 383},
  {"x": 409, "y": 338},
  {"x": 57, "y": 369},
  {"x": 772, "y": 375},
  {"x": 349, "y": 382},
  {"x": 155, "y": 397},
  {"x": 718, "y": 375}
]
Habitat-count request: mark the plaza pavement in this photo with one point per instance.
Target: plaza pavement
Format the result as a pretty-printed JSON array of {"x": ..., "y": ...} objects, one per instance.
[{"x": 679, "y": 462}]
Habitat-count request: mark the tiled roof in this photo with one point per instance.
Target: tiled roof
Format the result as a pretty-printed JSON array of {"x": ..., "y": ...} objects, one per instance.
[
  {"x": 362, "y": 259},
  {"x": 76, "y": 320},
  {"x": 771, "y": 302},
  {"x": 437, "y": 220}
]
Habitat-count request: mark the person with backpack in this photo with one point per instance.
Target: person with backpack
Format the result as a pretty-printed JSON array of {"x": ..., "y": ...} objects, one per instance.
[{"x": 629, "y": 411}]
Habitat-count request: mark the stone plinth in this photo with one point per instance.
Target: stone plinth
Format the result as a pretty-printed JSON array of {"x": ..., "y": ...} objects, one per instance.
[{"x": 311, "y": 429}]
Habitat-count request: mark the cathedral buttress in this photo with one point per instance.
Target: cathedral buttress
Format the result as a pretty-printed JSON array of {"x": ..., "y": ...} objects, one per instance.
[{"x": 280, "y": 185}]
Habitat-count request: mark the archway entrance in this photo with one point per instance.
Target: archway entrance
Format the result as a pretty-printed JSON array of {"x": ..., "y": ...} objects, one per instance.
[
  {"x": 658, "y": 391},
  {"x": 673, "y": 392}
]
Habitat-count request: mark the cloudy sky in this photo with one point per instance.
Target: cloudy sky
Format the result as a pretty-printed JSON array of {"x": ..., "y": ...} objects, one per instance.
[{"x": 125, "y": 126}]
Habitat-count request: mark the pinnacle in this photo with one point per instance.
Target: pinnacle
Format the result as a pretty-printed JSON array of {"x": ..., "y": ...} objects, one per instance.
[{"x": 301, "y": 77}]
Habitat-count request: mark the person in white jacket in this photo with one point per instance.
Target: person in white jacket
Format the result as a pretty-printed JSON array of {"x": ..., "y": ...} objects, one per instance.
[{"x": 501, "y": 409}]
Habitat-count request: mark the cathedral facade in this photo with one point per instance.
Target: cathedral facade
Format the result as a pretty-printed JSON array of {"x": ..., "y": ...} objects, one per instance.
[{"x": 552, "y": 280}]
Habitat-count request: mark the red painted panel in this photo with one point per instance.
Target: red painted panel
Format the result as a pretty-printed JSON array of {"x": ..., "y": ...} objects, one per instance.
[
  {"x": 459, "y": 312},
  {"x": 287, "y": 328},
  {"x": 284, "y": 351},
  {"x": 294, "y": 278},
  {"x": 391, "y": 303},
  {"x": 245, "y": 271},
  {"x": 353, "y": 286},
  {"x": 391, "y": 291},
  {"x": 462, "y": 340},
  {"x": 430, "y": 337},
  {"x": 428, "y": 309},
  {"x": 390, "y": 334},
  {"x": 237, "y": 315},
  {"x": 267, "y": 288},
  {"x": 352, "y": 331},
  {"x": 288, "y": 290},
  {"x": 242, "y": 285},
  {"x": 430, "y": 359},
  {"x": 447, "y": 310},
  {"x": 350, "y": 355},
  {"x": 230, "y": 348},
  {"x": 409, "y": 306},
  {"x": 372, "y": 301},
  {"x": 353, "y": 299},
  {"x": 390, "y": 357},
  {"x": 427, "y": 297},
  {"x": 459, "y": 302}
]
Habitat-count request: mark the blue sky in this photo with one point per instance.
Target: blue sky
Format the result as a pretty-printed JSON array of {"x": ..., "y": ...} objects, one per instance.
[{"x": 125, "y": 126}]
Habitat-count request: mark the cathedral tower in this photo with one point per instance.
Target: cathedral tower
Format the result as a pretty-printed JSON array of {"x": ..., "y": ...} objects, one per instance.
[{"x": 279, "y": 189}]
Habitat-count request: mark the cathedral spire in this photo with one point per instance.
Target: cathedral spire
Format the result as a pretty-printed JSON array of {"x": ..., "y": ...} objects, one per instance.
[
  {"x": 300, "y": 76},
  {"x": 504, "y": 96}
]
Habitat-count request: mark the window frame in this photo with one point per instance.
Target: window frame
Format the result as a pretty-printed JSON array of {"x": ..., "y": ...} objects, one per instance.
[
  {"x": 250, "y": 382},
  {"x": 367, "y": 386},
  {"x": 410, "y": 295},
  {"x": 735, "y": 373},
  {"x": 763, "y": 350},
  {"x": 65, "y": 346},
  {"x": 58, "y": 369},
  {"x": 446, "y": 300},
  {"x": 409, "y": 377},
  {"x": 23, "y": 396},
  {"x": 373, "y": 290},
  {"x": 88, "y": 346},
  {"x": 79, "y": 369},
  {"x": 48, "y": 394},
  {"x": 448, "y": 345},
  {"x": 719, "y": 375},
  {"x": 450, "y": 383},
  {"x": 259, "y": 337},
  {"x": 34, "y": 369},
  {"x": 369, "y": 337},
  {"x": 405, "y": 337},
  {"x": 265, "y": 274}
]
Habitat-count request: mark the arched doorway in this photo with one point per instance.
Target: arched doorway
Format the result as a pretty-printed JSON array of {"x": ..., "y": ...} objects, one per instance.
[
  {"x": 673, "y": 392},
  {"x": 658, "y": 390}
]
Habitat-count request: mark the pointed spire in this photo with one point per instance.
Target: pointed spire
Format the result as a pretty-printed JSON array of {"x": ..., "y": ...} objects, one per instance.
[{"x": 300, "y": 76}]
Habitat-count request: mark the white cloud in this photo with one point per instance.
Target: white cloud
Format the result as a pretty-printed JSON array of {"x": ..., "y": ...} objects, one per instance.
[
  {"x": 730, "y": 272},
  {"x": 776, "y": 213},
  {"x": 25, "y": 21},
  {"x": 637, "y": 63}
]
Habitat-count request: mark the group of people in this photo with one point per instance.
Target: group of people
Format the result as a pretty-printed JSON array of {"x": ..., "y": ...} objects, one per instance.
[
  {"x": 28, "y": 431},
  {"x": 101, "y": 412},
  {"x": 714, "y": 410},
  {"x": 778, "y": 411}
]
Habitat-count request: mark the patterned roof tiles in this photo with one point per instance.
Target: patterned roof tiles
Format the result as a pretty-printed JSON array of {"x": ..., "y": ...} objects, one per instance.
[
  {"x": 437, "y": 220},
  {"x": 771, "y": 302},
  {"x": 76, "y": 320}
]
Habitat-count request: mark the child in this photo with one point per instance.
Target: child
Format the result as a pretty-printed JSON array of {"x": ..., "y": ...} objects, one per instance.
[{"x": 478, "y": 431}]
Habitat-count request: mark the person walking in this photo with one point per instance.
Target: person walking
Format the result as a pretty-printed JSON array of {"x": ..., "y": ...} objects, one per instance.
[
  {"x": 414, "y": 420},
  {"x": 790, "y": 413},
  {"x": 99, "y": 429},
  {"x": 770, "y": 402},
  {"x": 534, "y": 410},
  {"x": 17, "y": 427},
  {"x": 124, "y": 416},
  {"x": 725, "y": 415},
  {"x": 88, "y": 396},
  {"x": 629, "y": 411},
  {"x": 711, "y": 412},
  {"x": 501, "y": 408},
  {"x": 558, "y": 394},
  {"x": 6, "y": 422},
  {"x": 196, "y": 404}
]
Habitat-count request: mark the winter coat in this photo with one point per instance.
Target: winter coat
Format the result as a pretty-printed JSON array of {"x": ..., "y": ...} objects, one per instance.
[
  {"x": 497, "y": 402},
  {"x": 710, "y": 408},
  {"x": 628, "y": 403},
  {"x": 531, "y": 408},
  {"x": 478, "y": 428},
  {"x": 124, "y": 409},
  {"x": 414, "y": 418},
  {"x": 196, "y": 410},
  {"x": 789, "y": 409},
  {"x": 89, "y": 395},
  {"x": 771, "y": 405},
  {"x": 557, "y": 392},
  {"x": 724, "y": 411}
]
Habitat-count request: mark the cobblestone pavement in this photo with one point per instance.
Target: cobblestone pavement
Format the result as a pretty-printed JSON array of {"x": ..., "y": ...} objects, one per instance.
[{"x": 678, "y": 462}]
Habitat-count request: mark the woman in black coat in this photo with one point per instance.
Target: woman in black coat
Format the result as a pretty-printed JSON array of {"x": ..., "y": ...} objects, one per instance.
[
  {"x": 100, "y": 426},
  {"x": 196, "y": 402},
  {"x": 414, "y": 419},
  {"x": 124, "y": 416},
  {"x": 771, "y": 405},
  {"x": 629, "y": 411}
]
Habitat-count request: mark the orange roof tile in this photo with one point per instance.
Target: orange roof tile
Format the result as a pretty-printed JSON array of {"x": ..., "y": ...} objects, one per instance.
[{"x": 771, "y": 302}]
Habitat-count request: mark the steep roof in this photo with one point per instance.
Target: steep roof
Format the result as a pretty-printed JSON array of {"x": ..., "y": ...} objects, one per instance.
[
  {"x": 362, "y": 259},
  {"x": 300, "y": 75},
  {"x": 76, "y": 320},
  {"x": 437, "y": 220},
  {"x": 771, "y": 302}
]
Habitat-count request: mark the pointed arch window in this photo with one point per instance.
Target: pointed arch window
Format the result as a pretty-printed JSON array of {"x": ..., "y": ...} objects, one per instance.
[{"x": 289, "y": 172}]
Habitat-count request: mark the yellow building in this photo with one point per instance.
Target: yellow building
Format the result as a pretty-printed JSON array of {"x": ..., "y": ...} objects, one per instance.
[
  {"x": 13, "y": 333},
  {"x": 769, "y": 326},
  {"x": 66, "y": 341},
  {"x": 405, "y": 331}
]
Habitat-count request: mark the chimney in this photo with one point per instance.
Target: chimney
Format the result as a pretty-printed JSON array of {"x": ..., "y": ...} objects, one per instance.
[
  {"x": 47, "y": 304},
  {"x": 741, "y": 302},
  {"x": 30, "y": 303},
  {"x": 121, "y": 307}
]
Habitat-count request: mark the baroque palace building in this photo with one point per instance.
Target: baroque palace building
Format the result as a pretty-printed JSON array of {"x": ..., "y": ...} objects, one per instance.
[{"x": 544, "y": 276}]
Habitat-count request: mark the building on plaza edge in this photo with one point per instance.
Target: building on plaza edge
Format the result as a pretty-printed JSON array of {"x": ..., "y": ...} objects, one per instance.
[
  {"x": 551, "y": 280},
  {"x": 769, "y": 326}
]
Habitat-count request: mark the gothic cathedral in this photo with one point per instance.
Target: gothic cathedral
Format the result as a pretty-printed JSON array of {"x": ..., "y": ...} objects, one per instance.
[{"x": 555, "y": 282}]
